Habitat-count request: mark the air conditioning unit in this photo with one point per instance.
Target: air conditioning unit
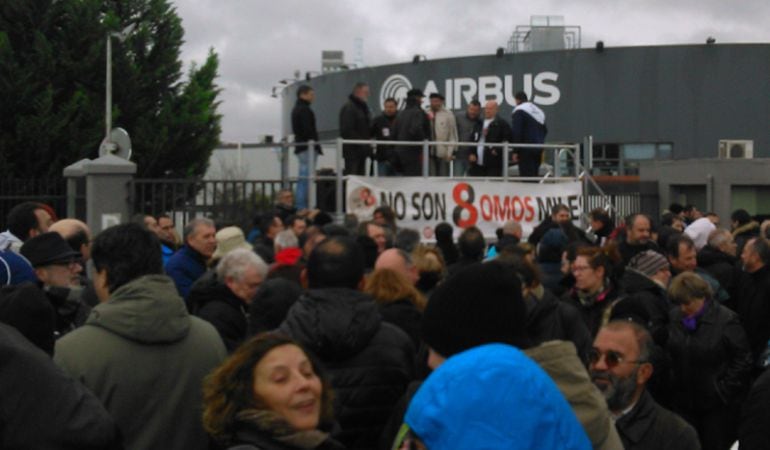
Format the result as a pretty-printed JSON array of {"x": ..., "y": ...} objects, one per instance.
[{"x": 736, "y": 149}]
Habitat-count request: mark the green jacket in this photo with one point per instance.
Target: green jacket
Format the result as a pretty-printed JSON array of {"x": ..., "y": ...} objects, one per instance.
[{"x": 145, "y": 358}]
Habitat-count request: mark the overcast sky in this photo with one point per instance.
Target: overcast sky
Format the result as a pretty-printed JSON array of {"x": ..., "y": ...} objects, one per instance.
[{"x": 260, "y": 42}]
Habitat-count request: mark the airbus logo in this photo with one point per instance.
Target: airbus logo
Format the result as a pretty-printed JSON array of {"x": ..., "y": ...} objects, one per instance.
[
  {"x": 541, "y": 88},
  {"x": 395, "y": 86}
]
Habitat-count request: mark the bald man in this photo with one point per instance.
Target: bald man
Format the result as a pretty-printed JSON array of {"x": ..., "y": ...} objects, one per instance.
[
  {"x": 78, "y": 237},
  {"x": 488, "y": 161},
  {"x": 399, "y": 261},
  {"x": 76, "y": 233}
]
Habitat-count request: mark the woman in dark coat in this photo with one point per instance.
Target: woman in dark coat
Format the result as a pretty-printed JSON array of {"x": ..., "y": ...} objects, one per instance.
[
  {"x": 595, "y": 288},
  {"x": 269, "y": 395},
  {"x": 710, "y": 360},
  {"x": 400, "y": 303}
]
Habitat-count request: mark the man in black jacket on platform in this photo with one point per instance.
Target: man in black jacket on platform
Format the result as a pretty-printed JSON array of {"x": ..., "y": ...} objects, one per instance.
[
  {"x": 488, "y": 161},
  {"x": 383, "y": 128},
  {"x": 412, "y": 125},
  {"x": 355, "y": 123},
  {"x": 369, "y": 362},
  {"x": 304, "y": 129}
]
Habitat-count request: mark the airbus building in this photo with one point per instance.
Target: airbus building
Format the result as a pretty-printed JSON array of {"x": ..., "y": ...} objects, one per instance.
[{"x": 691, "y": 120}]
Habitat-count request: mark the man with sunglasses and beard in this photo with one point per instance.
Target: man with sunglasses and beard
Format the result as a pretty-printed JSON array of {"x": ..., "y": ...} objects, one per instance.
[{"x": 620, "y": 367}]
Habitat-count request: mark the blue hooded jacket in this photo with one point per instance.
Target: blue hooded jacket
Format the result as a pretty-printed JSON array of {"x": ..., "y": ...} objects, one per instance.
[{"x": 493, "y": 397}]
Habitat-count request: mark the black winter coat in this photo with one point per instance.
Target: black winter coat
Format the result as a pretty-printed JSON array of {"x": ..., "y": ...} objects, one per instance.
[
  {"x": 41, "y": 407},
  {"x": 498, "y": 132},
  {"x": 303, "y": 126},
  {"x": 369, "y": 362},
  {"x": 723, "y": 267},
  {"x": 649, "y": 426},
  {"x": 594, "y": 311},
  {"x": 751, "y": 300},
  {"x": 710, "y": 366},
  {"x": 214, "y": 302},
  {"x": 412, "y": 124},
  {"x": 383, "y": 129},
  {"x": 404, "y": 315},
  {"x": 551, "y": 319},
  {"x": 754, "y": 430},
  {"x": 355, "y": 124},
  {"x": 638, "y": 287},
  {"x": 628, "y": 251}
]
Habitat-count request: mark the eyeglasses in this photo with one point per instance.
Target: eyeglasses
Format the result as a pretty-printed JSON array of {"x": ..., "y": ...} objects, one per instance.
[
  {"x": 580, "y": 268},
  {"x": 611, "y": 358}
]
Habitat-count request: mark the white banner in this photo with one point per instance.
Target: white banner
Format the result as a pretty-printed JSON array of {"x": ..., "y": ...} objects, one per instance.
[{"x": 421, "y": 203}]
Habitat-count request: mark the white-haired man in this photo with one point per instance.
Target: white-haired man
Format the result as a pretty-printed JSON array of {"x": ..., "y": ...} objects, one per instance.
[{"x": 222, "y": 297}]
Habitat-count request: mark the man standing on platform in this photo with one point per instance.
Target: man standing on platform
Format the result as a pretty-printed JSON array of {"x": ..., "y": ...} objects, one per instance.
[
  {"x": 304, "y": 129},
  {"x": 528, "y": 128},
  {"x": 356, "y": 124}
]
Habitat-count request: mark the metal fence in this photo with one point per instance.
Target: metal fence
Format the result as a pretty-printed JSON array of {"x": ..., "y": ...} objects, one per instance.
[
  {"x": 228, "y": 202},
  {"x": 13, "y": 191}
]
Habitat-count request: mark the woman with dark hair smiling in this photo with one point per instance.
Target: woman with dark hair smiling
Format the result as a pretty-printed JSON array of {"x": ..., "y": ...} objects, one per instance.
[{"x": 269, "y": 395}]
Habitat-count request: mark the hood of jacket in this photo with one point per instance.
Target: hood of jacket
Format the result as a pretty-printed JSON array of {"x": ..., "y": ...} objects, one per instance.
[
  {"x": 474, "y": 400},
  {"x": 750, "y": 229},
  {"x": 334, "y": 323},
  {"x": 147, "y": 310},
  {"x": 709, "y": 256},
  {"x": 634, "y": 281}
]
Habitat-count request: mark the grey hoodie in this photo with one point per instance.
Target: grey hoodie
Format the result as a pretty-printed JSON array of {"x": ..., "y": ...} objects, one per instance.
[{"x": 145, "y": 358}]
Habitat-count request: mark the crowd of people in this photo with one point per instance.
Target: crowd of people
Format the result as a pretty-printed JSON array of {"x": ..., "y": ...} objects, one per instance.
[
  {"x": 301, "y": 333},
  {"x": 414, "y": 124}
]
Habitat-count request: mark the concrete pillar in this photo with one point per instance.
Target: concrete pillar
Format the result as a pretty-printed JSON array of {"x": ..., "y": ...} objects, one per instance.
[
  {"x": 107, "y": 191},
  {"x": 74, "y": 174}
]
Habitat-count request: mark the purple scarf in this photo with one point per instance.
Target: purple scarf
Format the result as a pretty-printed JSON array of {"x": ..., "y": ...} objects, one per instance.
[{"x": 690, "y": 323}]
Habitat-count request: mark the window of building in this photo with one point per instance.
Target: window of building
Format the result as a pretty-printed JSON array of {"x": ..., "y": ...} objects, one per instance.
[{"x": 623, "y": 159}]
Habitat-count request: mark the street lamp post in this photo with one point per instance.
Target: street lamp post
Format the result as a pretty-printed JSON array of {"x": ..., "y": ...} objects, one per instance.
[{"x": 122, "y": 35}]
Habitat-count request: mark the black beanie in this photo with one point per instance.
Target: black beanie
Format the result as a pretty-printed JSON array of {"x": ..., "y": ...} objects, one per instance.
[
  {"x": 26, "y": 308},
  {"x": 479, "y": 305}
]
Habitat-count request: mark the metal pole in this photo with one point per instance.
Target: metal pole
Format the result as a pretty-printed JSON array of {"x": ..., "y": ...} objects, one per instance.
[
  {"x": 311, "y": 200},
  {"x": 506, "y": 153},
  {"x": 586, "y": 174},
  {"x": 108, "y": 93},
  {"x": 340, "y": 215},
  {"x": 284, "y": 164},
  {"x": 425, "y": 159}
]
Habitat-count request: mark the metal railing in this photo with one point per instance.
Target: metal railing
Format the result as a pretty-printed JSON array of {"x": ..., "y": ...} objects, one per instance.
[{"x": 232, "y": 200}]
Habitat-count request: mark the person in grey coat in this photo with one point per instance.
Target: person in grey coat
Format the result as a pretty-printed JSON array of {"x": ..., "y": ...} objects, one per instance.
[{"x": 140, "y": 351}]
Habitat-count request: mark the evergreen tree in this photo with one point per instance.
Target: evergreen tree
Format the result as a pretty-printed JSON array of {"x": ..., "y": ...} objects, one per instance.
[{"x": 52, "y": 82}]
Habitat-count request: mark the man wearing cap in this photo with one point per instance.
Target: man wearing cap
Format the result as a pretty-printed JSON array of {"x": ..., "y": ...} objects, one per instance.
[
  {"x": 488, "y": 161},
  {"x": 58, "y": 269},
  {"x": 355, "y": 124},
  {"x": 645, "y": 280},
  {"x": 620, "y": 367},
  {"x": 412, "y": 125},
  {"x": 222, "y": 296},
  {"x": 443, "y": 127},
  {"x": 189, "y": 263}
]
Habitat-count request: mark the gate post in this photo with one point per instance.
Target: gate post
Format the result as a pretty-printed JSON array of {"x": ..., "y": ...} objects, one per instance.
[
  {"x": 74, "y": 174},
  {"x": 108, "y": 180}
]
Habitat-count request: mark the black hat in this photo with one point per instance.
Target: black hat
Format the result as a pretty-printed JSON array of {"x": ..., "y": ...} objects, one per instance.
[
  {"x": 26, "y": 308},
  {"x": 437, "y": 95},
  {"x": 415, "y": 93},
  {"x": 47, "y": 248},
  {"x": 479, "y": 305}
]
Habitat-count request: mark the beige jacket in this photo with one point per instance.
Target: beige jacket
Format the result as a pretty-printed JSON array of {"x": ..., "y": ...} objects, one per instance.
[
  {"x": 560, "y": 361},
  {"x": 444, "y": 128}
]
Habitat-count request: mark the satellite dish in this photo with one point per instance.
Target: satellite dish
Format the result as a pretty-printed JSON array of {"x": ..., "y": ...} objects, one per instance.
[{"x": 119, "y": 144}]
